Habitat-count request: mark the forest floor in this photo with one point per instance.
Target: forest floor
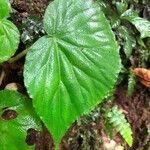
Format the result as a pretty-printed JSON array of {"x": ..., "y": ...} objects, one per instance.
[{"x": 88, "y": 133}]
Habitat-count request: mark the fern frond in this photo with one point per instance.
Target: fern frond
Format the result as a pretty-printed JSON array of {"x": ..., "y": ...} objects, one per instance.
[
  {"x": 117, "y": 119},
  {"x": 131, "y": 83}
]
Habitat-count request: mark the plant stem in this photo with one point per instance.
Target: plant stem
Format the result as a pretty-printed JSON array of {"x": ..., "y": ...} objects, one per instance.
[
  {"x": 17, "y": 57},
  {"x": 57, "y": 147},
  {"x": 2, "y": 76}
]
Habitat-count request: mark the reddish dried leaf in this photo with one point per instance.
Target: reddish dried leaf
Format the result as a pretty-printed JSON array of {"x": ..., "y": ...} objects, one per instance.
[{"x": 143, "y": 75}]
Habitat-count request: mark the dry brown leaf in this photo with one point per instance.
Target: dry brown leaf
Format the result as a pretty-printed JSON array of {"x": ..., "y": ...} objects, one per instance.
[{"x": 143, "y": 75}]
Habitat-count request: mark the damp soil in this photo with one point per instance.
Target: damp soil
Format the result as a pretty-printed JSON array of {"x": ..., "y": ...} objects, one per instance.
[{"x": 87, "y": 133}]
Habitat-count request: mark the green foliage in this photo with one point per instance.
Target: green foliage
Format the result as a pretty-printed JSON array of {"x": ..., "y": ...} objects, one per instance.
[
  {"x": 121, "y": 6},
  {"x": 4, "y": 9},
  {"x": 106, "y": 8},
  {"x": 108, "y": 129},
  {"x": 116, "y": 118},
  {"x": 129, "y": 41},
  {"x": 110, "y": 13},
  {"x": 142, "y": 25},
  {"x": 9, "y": 34},
  {"x": 13, "y": 132},
  {"x": 131, "y": 83},
  {"x": 73, "y": 72},
  {"x": 144, "y": 57}
]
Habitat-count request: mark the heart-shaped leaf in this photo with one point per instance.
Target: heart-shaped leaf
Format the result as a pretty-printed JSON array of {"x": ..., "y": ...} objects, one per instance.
[
  {"x": 71, "y": 70},
  {"x": 9, "y": 34},
  {"x": 13, "y": 132},
  {"x": 9, "y": 39}
]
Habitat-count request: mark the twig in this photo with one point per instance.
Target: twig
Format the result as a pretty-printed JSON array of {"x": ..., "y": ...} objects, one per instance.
[
  {"x": 2, "y": 75},
  {"x": 17, "y": 57}
]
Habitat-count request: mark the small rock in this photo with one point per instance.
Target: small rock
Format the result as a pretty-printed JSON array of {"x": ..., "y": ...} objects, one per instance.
[
  {"x": 109, "y": 145},
  {"x": 12, "y": 86},
  {"x": 119, "y": 147}
]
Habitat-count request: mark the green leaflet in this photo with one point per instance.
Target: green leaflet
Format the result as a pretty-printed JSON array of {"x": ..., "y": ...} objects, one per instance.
[
  {"x": 129, "y": 41},
  {"x": 121, "y": 6},
  {"x": 142, "y": 25},
  {"x": 70, "y": 70},
  {"x": 9, "y": 34},
  {"x": 4, "y": 9},
  {"x": 131, "y": 83},
  {"x": 13, "y": 132},
  {"x": 117, "y": 119}
]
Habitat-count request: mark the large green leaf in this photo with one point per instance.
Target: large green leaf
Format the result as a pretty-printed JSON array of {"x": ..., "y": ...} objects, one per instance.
[
  {"x": 71, "y": 70},
  {"x": 4, "y": 9},
  {"x": 142, "y": 25},
  {"x": 9, "y": 39},
  {"x": 13, "y": 132}
]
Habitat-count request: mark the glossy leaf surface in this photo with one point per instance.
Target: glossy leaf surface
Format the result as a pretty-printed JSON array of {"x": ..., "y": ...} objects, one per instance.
[
  {"x": 129, "y": 41},
  {"x": 71, "y": 70},
  {"x": 142, "y": 25},
  {"x": 13, "y": 131},
  {"x": 9, "y": 39}
]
